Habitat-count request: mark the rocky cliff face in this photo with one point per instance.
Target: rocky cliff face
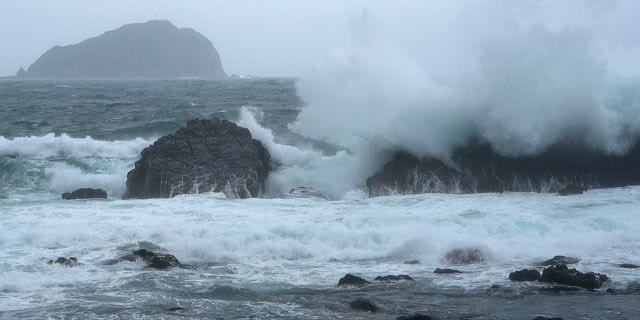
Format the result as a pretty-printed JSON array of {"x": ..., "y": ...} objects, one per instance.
[
  {"x": 206, "y": 156},
  {"x": 155, "y": 49},
  {"x": 478, "y": 169}
]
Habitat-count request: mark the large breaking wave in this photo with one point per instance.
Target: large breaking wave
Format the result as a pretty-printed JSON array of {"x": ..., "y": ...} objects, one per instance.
[{"x": 521, "y": 85}]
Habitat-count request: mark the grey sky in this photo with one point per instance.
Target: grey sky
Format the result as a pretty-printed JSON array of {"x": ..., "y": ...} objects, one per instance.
[{"x": 281, "y": 38}]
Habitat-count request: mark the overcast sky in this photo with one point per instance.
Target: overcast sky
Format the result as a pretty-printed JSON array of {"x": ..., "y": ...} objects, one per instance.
[{"x": 281, "y": 38}]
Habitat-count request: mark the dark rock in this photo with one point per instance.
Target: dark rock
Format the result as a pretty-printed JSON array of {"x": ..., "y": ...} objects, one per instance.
[
  {"x": 547, "y": 318},
  {"x": 352, "y": 280},
  {"x": 525, "y": 275},
  {"x": 559, "y": 260},
  {"x": 306, "y": 192},
  {"x": 85, "y": 193},
  {"x": 67, "y": 262},
  {"x": 478, "y": 168},
  {"x": 155, "y": 49},
  {"x": 571, "y": 189},
  {"x": 207, "y": 156},
  {"x": 632, "y": 288},
  {"x": 417, "y": 316},
  {"x": 465, "y": 256},
  {"x": 153, "y": 260},
  {"x": 562, "y": 275},
  {"x": 446, "y": 271},
  {"x": 364, "y": 305},
  {"x": 412, "y": 262},
  {"x": 393, "y": 278},
  {"x": 628, "y": 266}
]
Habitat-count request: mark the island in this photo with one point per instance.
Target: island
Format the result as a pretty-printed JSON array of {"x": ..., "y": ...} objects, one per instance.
[{"x": 154, "y": 49}]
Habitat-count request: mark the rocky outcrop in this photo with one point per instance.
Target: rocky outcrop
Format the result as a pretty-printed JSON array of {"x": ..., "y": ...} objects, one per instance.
[
  {"x": 559, "y": 260},
  {"x": 351, "y": 280},
  {"x": 85, "y": 193},
  {"x": 207, "y": 156},
  {"x": 67, "y": 262},
  {"x": 477, "y": 168},
  {"x": 525, "y": 275},
  {"x": 155, "y": 49},
  {"x": 562, "y": 275}
]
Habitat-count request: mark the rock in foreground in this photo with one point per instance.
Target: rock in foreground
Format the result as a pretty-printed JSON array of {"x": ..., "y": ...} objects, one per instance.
[
  {"x": 207, "y": 156},
  {"x": 417, "y": 316},
  {"x": 562, "y": 275},
  {"x": 85, "y": 193},
  {"x": 446, "y": 271},
  {"x": 155, "y": 49}
]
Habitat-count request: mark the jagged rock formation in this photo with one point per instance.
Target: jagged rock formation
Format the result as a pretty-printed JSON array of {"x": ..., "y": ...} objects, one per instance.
[
  {"x": 207, "y": 156},
  {"x": 85, "y": 193},
  {"x": 478, "y": 168},
  {"x": 154, "y": 49}
]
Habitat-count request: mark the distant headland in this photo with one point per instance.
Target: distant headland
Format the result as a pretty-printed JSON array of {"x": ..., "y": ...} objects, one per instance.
[{"x": 154, "y": 49}]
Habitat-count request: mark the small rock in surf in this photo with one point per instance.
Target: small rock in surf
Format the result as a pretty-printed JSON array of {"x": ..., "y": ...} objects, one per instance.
[
  {"x": 412, "y": 262},
  {"x": 154, "y": 260},
  {"x": 525, "y": 275},
  {"x": 446, "y": 271},
  {"x": 67, "y": 262},
  {"x": 352, "y": 280},
  {"x": 85, "y": 193},
  {"x": 559, "y": 260},
  {"x": 364, "y": 305},
  {"x": 394, "y": 278}
]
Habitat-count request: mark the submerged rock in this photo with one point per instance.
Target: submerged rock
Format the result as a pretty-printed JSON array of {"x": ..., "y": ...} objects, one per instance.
[
  {"x": 393, "y": 278},
  {"x": 352, "y": 280},
  {"x": 562, "y": 275},
  {"x": 412, "y": 262},
  {"x": 558, "y": 289},
  {"x": 364, "y": 305},
  {"x": 417, "y": 316},
  {"x": 207, "y": 156},
  {"x": 465, "y": 256},
  {"x": 446, "y": 271},
  {"x": 306, "y": 192},
  {"x": 478, "y": 168},
  {"x": 67, "y": 262},
  {"x": 153, "y": 260},
  {"x": 85, "y": 193},
  {"x": 628, "y": 266},
  {"x": 525, "y": 275},
  {"x": 547, "y": 318},
  {"x": 559, "y": 260},
  {"x": 571, "y": 189}
]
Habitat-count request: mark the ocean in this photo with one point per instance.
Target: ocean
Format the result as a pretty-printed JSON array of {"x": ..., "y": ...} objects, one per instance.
[{"x": 274, "y": 257}]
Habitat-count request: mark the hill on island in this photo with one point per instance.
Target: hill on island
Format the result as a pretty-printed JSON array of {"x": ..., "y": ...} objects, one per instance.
[{"x": 154, "y": 49}]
